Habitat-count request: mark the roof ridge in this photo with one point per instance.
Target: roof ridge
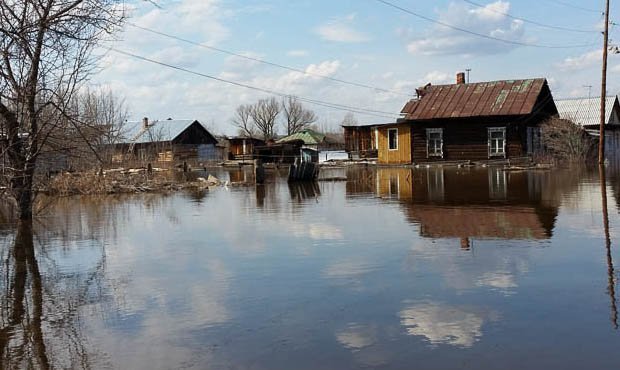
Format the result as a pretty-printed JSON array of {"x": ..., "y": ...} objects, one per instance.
[
  {"x": 588, "y": 98},
  {"x": 489, "y": 82}
]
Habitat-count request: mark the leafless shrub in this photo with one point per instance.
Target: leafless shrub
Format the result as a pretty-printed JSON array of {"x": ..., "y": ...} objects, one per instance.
[{"x": 566, "y": 141}]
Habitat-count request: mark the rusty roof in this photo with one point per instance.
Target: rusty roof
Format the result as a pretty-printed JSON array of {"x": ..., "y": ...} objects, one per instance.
[{"x": 496, "y": 98}]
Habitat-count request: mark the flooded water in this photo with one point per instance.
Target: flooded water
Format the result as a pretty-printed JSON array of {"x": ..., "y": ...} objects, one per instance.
[{"x": 393, "y": 269}]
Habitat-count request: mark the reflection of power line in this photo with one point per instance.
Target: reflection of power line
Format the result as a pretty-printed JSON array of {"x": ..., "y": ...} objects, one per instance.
[
  {"x": 347, "y": 108},
  {"x": 611, "y": 281},
  {"x": 481, "y": 35},
  {"x": 258, "y": 60},
  {"x": 525, "y": 20}
]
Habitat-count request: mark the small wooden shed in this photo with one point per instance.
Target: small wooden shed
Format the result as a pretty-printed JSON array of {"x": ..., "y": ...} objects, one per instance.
[
  {"x": 361, "y": 141},
  {"x": 240, "y": 147}
]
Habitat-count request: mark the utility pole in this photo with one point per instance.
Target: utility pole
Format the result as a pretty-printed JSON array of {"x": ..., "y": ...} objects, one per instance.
[{"x": 601, "y": 144}]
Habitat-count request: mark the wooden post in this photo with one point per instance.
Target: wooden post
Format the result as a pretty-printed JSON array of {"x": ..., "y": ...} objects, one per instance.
[{"x": 601, "y": 144}]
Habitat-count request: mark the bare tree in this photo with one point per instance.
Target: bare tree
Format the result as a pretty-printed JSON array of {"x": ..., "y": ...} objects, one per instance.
[
  {"x": 349, "y": 120},
  {"x": 104, "y": 113},
  {"x": 102, "y": 118},
  {"x": 46, "y": 54},
  {"x": 296, "y": 116},
  {"x": 264, "y": 114},
  {"x": 243, "y": 121}
]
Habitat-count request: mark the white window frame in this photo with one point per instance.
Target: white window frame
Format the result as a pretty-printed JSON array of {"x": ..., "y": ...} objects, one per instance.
[
  {"x": 493, "y": 130},
  {"x": 434, "y": 131},
  {"x": 388, "y": 138}
]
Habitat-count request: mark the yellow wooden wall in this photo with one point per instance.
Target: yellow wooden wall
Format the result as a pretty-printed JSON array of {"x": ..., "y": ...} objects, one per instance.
[{"x": 400, "y": 156}]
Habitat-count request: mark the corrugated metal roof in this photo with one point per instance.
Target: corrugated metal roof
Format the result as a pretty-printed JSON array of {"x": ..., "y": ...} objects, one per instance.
[
  {"x": 165, "y": 130},
  {"x": 587, "y": 111},
  {"x": 309, "y": 137},
  {"x": 496, "y": 98}
]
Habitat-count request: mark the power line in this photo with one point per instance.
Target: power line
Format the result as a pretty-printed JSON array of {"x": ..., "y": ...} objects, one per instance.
[
  {"x": 369, "y": 112},
  {"x": 531, "y": 21},
  {"x": 513, "y": 42},
  {"x": 273, "y": 64},
  {"x": 570, "y": 5}
]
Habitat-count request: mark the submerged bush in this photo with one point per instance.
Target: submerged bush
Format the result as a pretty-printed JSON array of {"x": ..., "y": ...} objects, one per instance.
[{"x": 566, "y": 141}]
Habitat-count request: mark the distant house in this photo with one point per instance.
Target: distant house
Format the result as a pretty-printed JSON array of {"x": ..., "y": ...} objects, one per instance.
[
  {"x": 361, "y": 141},
  {"x": 314, "y": 140},
  {"x": 242, "y": 147},
  {"x": 167, "y": 141},
  {"x": 310, "y": 143},
  {"x": 283, "y": 153},
  {"x": 586, "y": 112},
  {"x": 468, "y": 121}
]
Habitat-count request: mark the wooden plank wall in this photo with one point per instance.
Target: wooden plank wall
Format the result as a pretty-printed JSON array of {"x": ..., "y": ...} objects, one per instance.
[
  {"x": 403, "y": 154},
  {"x": 467, "y": 141}
]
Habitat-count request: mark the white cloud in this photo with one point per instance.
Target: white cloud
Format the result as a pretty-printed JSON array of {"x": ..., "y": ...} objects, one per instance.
[
  {"x": 341, "y": 30},
  {"x": 581, "y": 61},
  {"x": 487, "y": 21},
  {"x": 199, "y": 17},
  {"x": 239, "y": 64},
  {"x": 437, "y": 78},
  {"x": 327, "y": 68}
]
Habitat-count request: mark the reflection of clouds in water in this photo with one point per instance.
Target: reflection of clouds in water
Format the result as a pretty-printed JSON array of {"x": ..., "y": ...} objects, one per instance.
[
  {"x": 501, "y": 280},
  {"x": 314, "y": 231},
  {"x": 356, "y": 337},
  {"x": 443, "y": 324},
  {"x": 490, "y": 265},
  {"x": 208, "y": 300},
  {"x": 165, "y": 317},
  {"x": 349, "y": 269}
]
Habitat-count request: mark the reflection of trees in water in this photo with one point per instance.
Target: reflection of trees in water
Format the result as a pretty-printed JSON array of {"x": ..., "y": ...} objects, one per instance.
[{"x": 42, "y": 303}]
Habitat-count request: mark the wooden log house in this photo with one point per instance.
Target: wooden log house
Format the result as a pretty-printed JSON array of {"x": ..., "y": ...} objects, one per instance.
[{"x": 468, "y": 121}]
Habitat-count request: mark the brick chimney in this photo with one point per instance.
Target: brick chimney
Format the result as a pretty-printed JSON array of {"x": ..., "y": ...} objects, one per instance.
[
  {"x": 145, "y": 122},
  {"x": 460, "y": 78}
]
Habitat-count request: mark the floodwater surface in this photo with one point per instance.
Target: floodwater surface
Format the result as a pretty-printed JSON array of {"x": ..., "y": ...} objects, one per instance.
[{"x": 464, "y": 268}]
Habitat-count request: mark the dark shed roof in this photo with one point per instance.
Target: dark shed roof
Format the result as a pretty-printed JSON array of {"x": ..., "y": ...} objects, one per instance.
[{"x": 497, "y": 98}]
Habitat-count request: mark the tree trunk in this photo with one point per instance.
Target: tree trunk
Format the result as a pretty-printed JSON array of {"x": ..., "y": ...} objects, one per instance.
[{"x": 22, "y": 183}]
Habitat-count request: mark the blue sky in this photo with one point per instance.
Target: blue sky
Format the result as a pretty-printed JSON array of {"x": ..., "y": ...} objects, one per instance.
[{"x": 363, "y": 41}]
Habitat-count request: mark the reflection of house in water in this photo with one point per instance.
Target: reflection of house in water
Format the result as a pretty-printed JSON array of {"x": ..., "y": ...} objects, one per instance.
[
  {"x": 484, "y": 203},
  {"x": 361, "y": 181}
]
